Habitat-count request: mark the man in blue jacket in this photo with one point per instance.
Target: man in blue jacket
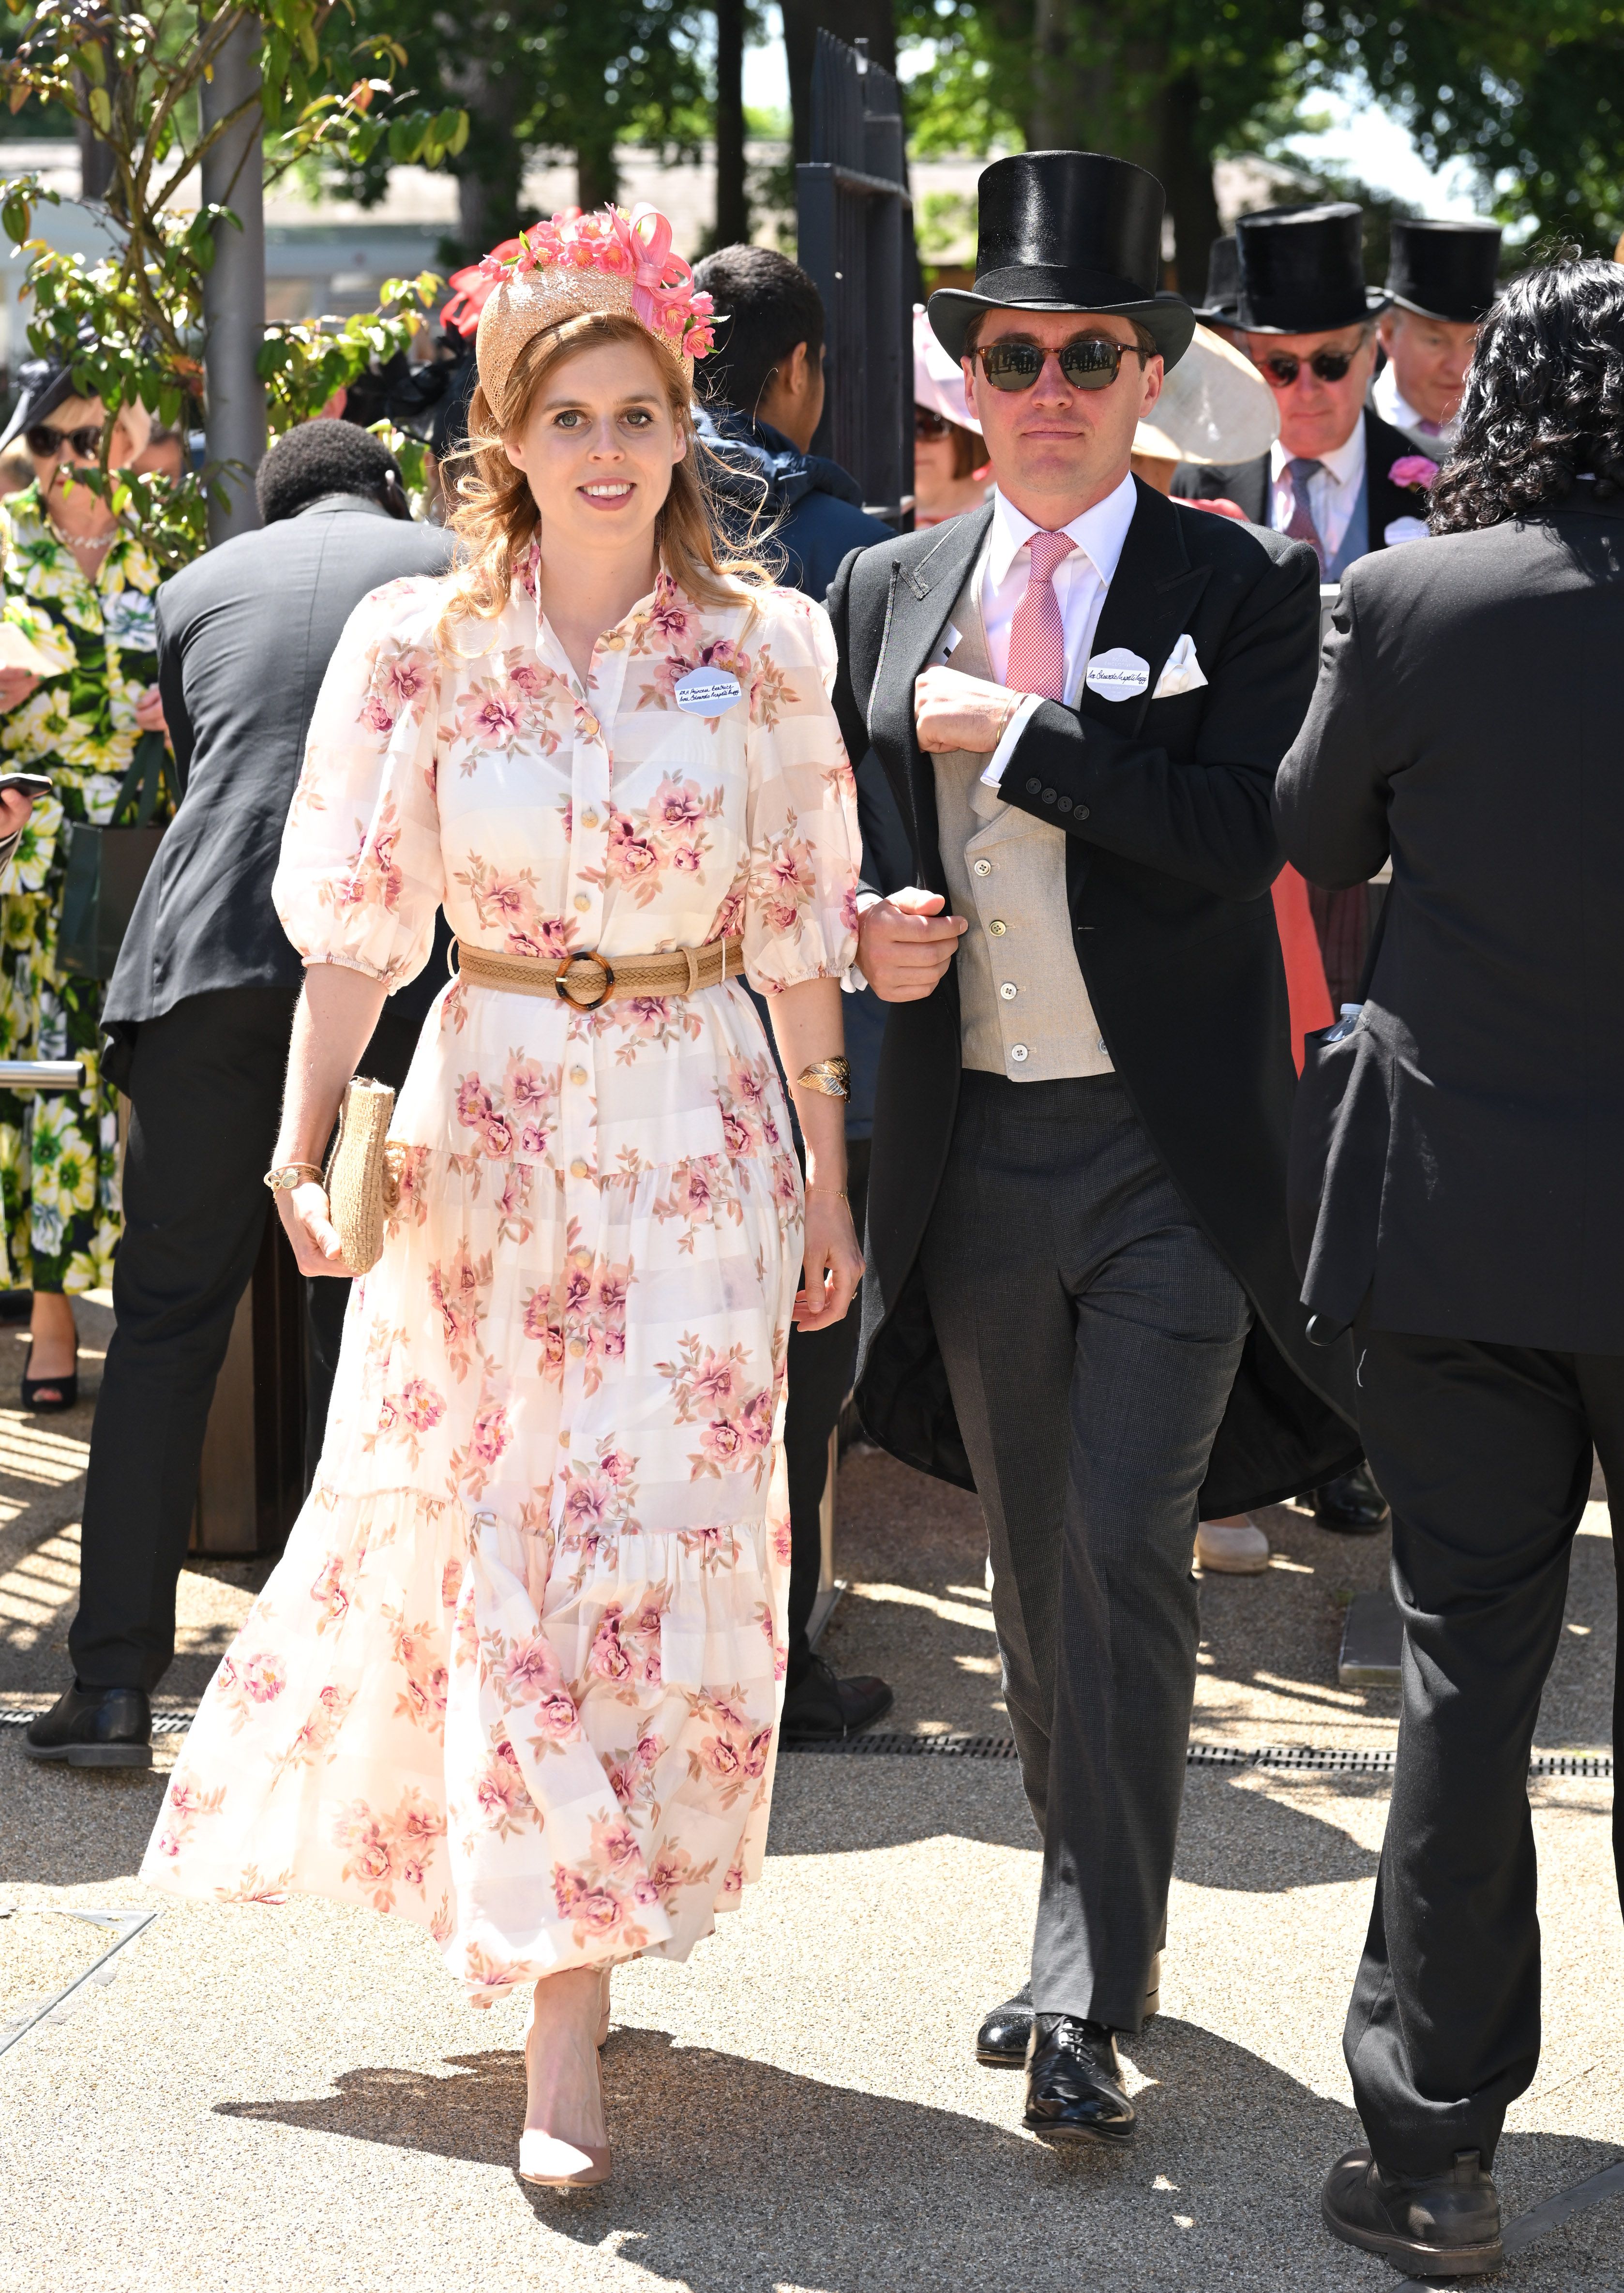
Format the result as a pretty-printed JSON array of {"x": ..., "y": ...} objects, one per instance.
[{"x": 761, "y": 407}]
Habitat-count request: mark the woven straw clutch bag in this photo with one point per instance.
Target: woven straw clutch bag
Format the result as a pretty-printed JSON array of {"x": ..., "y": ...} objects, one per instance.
[{"x": 362, "y": 1178}]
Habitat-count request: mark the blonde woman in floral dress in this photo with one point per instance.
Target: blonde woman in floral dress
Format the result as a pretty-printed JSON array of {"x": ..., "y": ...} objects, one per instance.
[
  {"x": 82, "y": 589},
  {"x": 517, "y": 1676}
]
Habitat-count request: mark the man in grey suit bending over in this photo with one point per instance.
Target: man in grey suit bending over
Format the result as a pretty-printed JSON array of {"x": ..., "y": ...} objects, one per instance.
[{"x": 1080, "y": 1297}]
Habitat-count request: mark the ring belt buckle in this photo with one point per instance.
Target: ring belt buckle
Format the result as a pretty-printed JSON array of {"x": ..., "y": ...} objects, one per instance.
[{"x": 562, "y": 987}]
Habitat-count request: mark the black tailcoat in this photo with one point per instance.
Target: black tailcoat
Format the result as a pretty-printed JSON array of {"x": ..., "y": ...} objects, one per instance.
[
  {"x": 1247, "y": 483},
  {"x": 1467, "y": 724},
  {"x": 1170, "y": 858}
]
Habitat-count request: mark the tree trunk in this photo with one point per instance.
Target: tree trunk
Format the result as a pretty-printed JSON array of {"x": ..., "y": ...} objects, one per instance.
[
  {"x": 732, "y": 208},
  {"x": 491, "y": 169},
  {"x": 849, "y": 20},
  {"x": 598, "y": 178},
  {"x": 1186, "y": 169}
]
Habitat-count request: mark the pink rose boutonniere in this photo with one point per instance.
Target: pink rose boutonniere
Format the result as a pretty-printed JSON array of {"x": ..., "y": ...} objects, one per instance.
[{"x": 1413, "y": 470}]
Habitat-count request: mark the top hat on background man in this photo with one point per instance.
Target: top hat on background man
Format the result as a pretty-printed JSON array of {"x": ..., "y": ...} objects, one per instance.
[
  {"x": 1302, "y": 271},
  {"x": 1221, "y": 294},
  {"x": 1067, "y": 231},
  {"x": 1447, "y": 270}
]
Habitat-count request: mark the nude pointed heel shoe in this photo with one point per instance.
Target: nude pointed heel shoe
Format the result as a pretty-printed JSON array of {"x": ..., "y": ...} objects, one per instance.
[{"x": 547, "y": 2162}]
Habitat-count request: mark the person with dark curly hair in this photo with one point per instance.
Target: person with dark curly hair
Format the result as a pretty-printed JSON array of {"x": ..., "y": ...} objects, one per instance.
[{"x": 1470, "y": 1227}]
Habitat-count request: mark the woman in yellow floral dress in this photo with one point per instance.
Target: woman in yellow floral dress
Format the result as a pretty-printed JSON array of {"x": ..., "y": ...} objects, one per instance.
[
  {"x": 518, "y": 1675},
  {"x": 81, "y": 587}
]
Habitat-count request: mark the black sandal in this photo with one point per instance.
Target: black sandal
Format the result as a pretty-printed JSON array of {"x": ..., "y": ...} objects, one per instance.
[{"x": 66, "y": 1388}]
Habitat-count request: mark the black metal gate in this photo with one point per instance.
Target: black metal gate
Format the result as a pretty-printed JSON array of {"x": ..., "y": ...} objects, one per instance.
[{"x": 855, "y": 230}]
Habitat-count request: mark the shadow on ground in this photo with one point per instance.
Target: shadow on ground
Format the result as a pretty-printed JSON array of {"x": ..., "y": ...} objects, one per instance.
[{"x": 865, "y": 2166}]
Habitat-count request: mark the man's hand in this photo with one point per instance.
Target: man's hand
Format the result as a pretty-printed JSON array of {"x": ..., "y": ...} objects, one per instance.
[
  {"x": 955, "y": 711},
  {"x": 15, "y": 686},
  {"x": 905, "y": 944}
]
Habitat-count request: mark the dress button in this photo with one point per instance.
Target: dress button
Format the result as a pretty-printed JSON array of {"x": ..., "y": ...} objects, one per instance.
[
  {"x": 578, "y": 1074},
  {"x": 578, "y": 1169},
  {"x": 984, "y": 867},
  {"x": 1018, "y": 1051},
  {"x": 577, "y": 1346},
  {"x": 581, "y": 902},
  {"x": 1033, "y": 787},
  {"x": 588, "y": 820},
  {"x": 1065, "y": 804},
  {"x": 997, "y": 928},
  {"x": 1009, "y": 990}
]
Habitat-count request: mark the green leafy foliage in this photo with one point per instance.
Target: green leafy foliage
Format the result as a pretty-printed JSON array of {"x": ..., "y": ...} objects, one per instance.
[{"x": 136, "y": 311}]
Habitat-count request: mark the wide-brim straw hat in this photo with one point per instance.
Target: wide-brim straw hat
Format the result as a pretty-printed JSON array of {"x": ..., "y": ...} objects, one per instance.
[{"x": 1214, "y": 407}]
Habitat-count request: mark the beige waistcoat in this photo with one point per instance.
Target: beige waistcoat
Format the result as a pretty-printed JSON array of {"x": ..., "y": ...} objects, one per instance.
[{"x": 1025, "y": 1010}]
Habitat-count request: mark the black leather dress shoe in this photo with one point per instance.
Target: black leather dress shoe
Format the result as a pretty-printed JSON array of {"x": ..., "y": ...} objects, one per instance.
[
  {"x": 1352, "y": 1502},
  {"x": 1074, "y": 2083},
  {"x": 94, "y": 1728},
  {"x": 1001, "y": 2041},
  {"x": 820, "y": 1708},
  {"x": 1443, "y": 2225}
]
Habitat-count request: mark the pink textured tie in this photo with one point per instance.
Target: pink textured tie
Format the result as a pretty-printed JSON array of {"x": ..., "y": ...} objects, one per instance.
[{"x": 1037, "y": 640}]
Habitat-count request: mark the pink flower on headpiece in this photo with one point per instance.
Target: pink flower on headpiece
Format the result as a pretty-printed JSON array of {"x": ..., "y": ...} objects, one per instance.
[
  {"x": 636, "y": 247},
  {"x": 1413, "y": 470}
]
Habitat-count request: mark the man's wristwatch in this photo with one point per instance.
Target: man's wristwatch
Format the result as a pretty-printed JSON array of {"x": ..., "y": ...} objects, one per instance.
[{"x": 291, "y": 1175}]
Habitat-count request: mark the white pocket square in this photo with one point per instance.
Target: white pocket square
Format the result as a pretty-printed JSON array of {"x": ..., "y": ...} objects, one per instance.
[{"x": 1183, "y": 673}]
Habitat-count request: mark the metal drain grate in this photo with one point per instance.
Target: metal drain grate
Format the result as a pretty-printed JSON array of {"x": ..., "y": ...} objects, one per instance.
[{"x": 1287, "y": 1759}]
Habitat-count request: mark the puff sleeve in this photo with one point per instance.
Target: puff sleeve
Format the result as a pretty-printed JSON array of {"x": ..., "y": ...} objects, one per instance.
[
  {"x": 360, "y": 876},
  {"x": 800, "y": 904}
]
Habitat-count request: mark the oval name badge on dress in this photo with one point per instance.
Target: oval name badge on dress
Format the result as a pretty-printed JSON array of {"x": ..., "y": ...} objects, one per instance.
[
  {"x": 1118, "y": 675},
  {"x": 706, "y": 692}
]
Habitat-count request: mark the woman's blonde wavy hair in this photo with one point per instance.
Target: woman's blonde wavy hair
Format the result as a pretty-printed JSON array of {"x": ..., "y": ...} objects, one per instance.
[{"x": 495, "y": 518}]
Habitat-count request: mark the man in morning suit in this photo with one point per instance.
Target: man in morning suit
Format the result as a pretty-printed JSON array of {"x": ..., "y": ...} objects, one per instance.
[
  {"x": 198, "y": 1013},
  {"x": 1080, "y": 1300},
  {"x": 1471, "y": 1223},
  {"x": 1307, "y": 318},
  {"x": 1440, "y": 283}
]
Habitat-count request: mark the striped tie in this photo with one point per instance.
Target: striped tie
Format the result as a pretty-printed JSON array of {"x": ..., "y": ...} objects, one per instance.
[{"x": 1037, "y": 640}]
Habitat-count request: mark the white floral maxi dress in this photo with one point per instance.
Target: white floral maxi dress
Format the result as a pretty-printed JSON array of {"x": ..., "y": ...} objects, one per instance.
[{"x": 517, "y": 1674}]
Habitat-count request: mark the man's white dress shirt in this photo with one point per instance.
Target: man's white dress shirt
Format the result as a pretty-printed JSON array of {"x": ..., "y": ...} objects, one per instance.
[
  {"x": 1081, "y": 581},
  {"x": 1333, "y": 490},
  {"x": 1391, "y": 403}
]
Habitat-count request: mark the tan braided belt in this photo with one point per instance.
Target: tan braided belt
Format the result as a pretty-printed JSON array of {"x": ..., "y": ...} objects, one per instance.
[{"x": 589, "y": 980}]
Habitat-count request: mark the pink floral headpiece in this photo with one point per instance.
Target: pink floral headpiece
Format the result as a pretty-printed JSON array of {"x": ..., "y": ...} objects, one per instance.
[{"x": 608, "y": 260}]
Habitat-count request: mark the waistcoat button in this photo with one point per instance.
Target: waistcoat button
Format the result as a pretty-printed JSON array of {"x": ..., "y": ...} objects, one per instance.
[
  {"x": 1018, "y": 1051},
  {"x": 984, "y": 867},
  {"x": 1009, "y": 990},
  {"x": 997, "y": 928}
]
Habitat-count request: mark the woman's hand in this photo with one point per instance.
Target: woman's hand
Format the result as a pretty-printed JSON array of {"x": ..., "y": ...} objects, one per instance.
[
  {"x": 304, "y": 1211},
  {"x": 15, "y": 686},
  {"x": 831, "y": 1263},
  {"x": 14, "y": 810},
  {"x": 149, "y": 712}
]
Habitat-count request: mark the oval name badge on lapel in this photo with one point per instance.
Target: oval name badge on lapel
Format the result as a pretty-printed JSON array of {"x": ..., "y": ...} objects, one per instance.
[
  {"x": 1118, "y": 675},
  {"x": 706, "y": 692}
]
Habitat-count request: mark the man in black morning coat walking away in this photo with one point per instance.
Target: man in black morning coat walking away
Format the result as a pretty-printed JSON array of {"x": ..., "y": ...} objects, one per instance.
[
  {"x": 1470, "y": 1223},
  {"x": 1080, "y": 1297}
]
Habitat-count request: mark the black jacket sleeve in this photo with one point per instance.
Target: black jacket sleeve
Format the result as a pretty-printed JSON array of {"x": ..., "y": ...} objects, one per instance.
[
  {"x": 1207, "y": 820},
  {"x": 1330, "y": 799},
  {"x": 851, "y": 715}
]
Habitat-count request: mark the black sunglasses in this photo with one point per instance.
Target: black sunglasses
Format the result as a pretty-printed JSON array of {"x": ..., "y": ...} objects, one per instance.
[
  {"x": 48, "y": 445},
  {"x": 1088, "y": 362},
  {"x": 929, "y": 424},
  {"x": 1330, "y": 366}
]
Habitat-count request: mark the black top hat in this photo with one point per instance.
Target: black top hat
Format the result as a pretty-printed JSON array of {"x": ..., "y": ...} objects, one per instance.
[
  {"x": 1445, "y": 270},
  {"x": 1302, "y": 271},
  {"x": 1217, "y": 306},
  {"x": 1067, "y": 231}
]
